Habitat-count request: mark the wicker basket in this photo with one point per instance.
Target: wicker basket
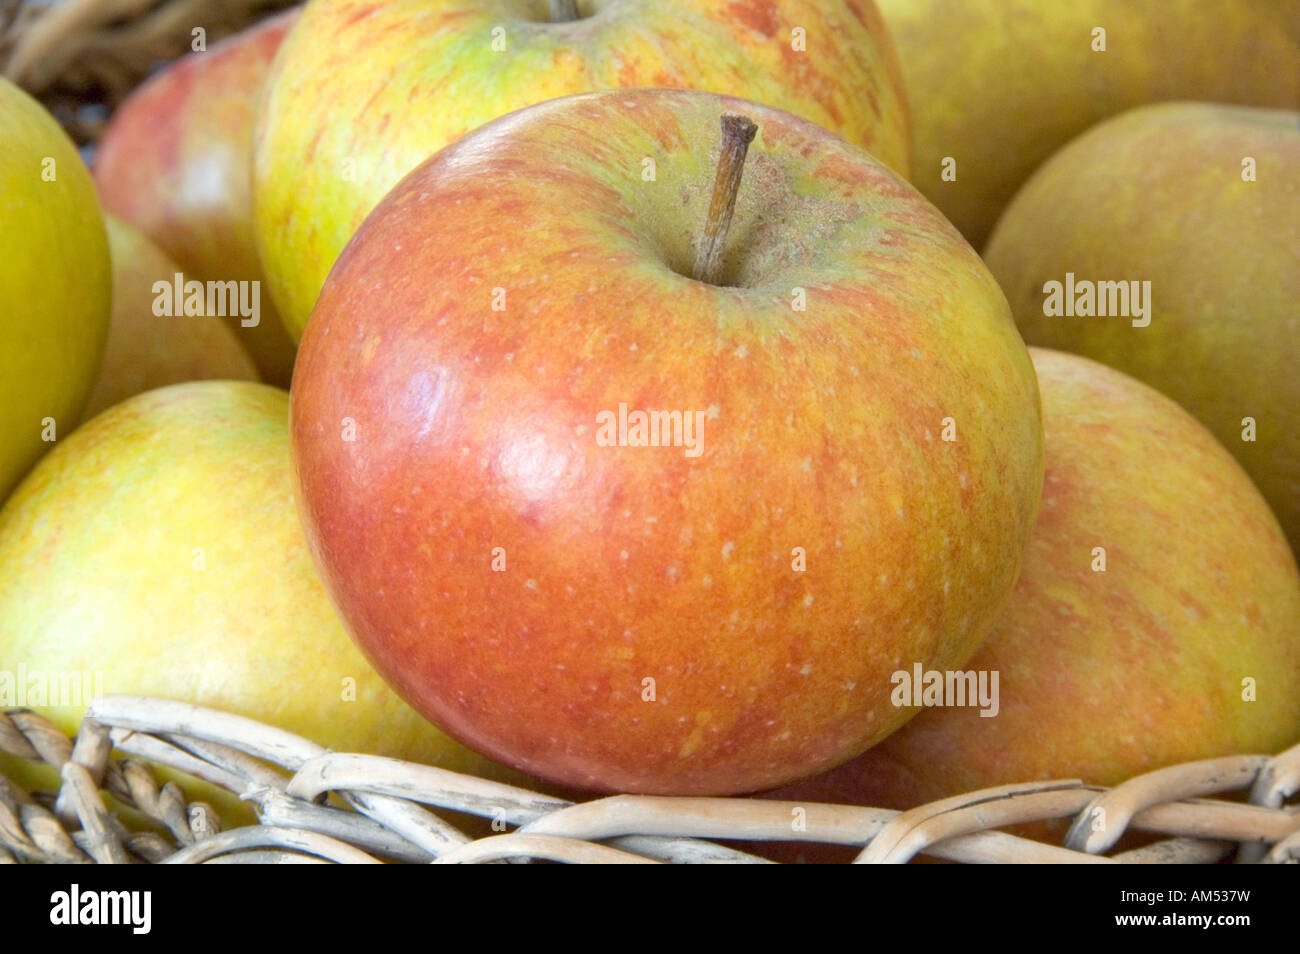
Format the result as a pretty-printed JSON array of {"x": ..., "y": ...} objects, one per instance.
[
  {"x": 315, "y": 805},
  {"x": 81, "y": 58}
]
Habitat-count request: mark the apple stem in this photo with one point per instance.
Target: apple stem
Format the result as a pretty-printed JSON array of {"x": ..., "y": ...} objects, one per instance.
[
  {"x": 737, "y": 133},
  {"x": 562, "y": 11}
]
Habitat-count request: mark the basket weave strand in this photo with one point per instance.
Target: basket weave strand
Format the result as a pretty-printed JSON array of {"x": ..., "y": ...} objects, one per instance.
[
  {"x": 81, "y": 58},
  {"x": 315, "y": 805}
]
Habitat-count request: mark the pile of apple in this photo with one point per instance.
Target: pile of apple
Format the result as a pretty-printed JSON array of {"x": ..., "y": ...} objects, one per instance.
[{"x": 638, "y": 436}]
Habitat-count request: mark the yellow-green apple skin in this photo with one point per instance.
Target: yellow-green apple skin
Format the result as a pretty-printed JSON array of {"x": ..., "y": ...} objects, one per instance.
[
  {"x": 176, "y": 162},
  {"x": 1186, "y": 646},
  {"x": 146, "y": 350},
  {"x": 363, "y": 91},
  {"x": 1158, "y": 195},
  {"x": 999, "y": 85},
  {"x": 159, "y": 547},
  {"x": 825, "y": 531},
  {"x": 55, "y": 284}
]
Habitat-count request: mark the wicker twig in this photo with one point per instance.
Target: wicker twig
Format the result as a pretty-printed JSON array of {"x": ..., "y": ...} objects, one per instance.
[
  {"x": 385, "y": 807},
  {"x": 913, "y": 830},
  {"x": 1286, "y": 851},
  {"x": 90, "y": 753},
  {"x": 1101, "y": 824},
  {"x": 8, "y": 14},
  {"x": 83, "y": 57},
  {"x": 103, "y": 838},
  {"x": 1177, "y": 851},
  {"x": 260, "y": 836},
  {"x": 544, "y": 847},
  {"x": 263, "y": 856},
  {"x": 1279, "y": 780}
]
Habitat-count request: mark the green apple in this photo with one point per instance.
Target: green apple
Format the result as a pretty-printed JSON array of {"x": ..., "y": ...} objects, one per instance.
[
  {"x": 146, "y": 350},
  {"x": 157, "y": 550},
  {"x": 55, "y": 284},
  {"x": 175, "y": 161},
  {"x": 1180, "y": 641},
  {"x": 999, "y": 85},
  {"x": 363, "y": 91},
  {"x": 1201, "y": 202},
  {"x": 850, "y": 481}
]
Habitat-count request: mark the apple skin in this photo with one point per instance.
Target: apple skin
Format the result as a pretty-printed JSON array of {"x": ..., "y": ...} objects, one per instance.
[
  {"x": 55, "y": 283},
  {"x": 999, "y": 85},
  {"x": 176, "y": 160},
  {"x": 475, "y": 429},
  {"x": 146, "y": 351},
  {"x": 1157, "y": 195},
  {"x": 1105, "y": 675},
  {"x": 364, "y": 91},
  {"x": 97, "y": 574}
]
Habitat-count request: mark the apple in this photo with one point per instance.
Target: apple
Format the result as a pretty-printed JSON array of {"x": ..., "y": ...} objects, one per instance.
[
  {"x": 176, "y": 162},
  {"x": 146, "y": 350},
  {"x": 55, "y": 290},
  {"x": 1185, "y": 646},
  {"x": 849, "y": 481},
  {"x": 157, "y": 551},
  {"x": 365, "y": 90},
  {"x": 999, "y": 85},
  {"x": 1199, "y": 201}
]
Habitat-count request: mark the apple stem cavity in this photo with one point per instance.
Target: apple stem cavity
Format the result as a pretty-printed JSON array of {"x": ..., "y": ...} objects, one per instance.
[
  {"x": 562, "y": 11},
  {"x": 737, "y": 133}
]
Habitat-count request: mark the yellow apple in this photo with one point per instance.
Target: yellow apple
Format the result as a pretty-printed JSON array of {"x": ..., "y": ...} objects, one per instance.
[
  {"x": 146, "y": 350},
  {"x": 1197, "y": 204},
  {"x": 362, "y": 92},
  {"x": 998, "y": 85},
  {"x": 158, "y": 550},
  {"x": 54, "y": 284}
]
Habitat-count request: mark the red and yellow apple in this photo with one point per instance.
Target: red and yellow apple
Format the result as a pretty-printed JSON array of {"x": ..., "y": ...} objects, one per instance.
[
  {"x": 848, "y": 484},
  {"x": 176, "y": 162},
  {"x": 1156, "y": 619},
  {"x": 365, "y": 90},
  {"x": 55, "y": 284},
  {"x": 1198, "y": 204},
  {"x": 157, "y": 550},
  {"x": 147, "y": 350}
]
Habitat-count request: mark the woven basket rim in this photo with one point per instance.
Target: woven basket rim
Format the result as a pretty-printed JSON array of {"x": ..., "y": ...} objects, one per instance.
[{"x": 317, "y": 805}]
